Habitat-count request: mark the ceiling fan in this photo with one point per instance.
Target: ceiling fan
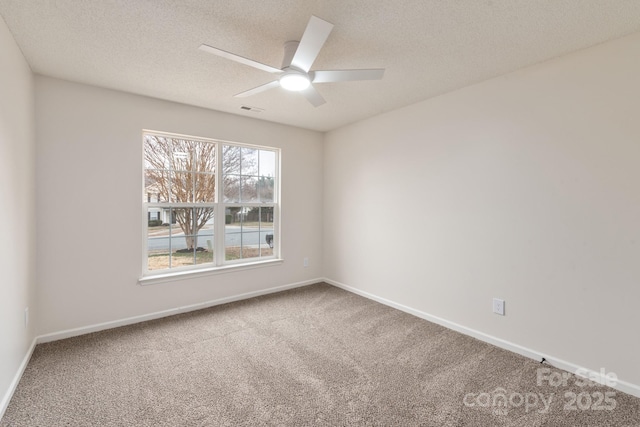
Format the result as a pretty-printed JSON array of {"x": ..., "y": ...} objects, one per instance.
[{"x": 295, "y": 74}]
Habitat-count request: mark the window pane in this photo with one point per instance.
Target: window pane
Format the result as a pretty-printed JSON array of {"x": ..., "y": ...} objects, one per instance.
[
  {"x": 242, "y": 183},
  {"x": 182, "y": 187},
  {"x": 158, "y": 254},
  {"x": 206, "y": 243},
  {"x": 204, "y": 219},
  {"x": 267, "y": 163},
  {"x": 250, "y": 243},
  {"x": 181, "y": 161},
  {"x": 157, "y": 152},
  {"x": 266, "y": 231},
  {"x": 156, "y": 186},
  {"x": 171, "y": 247},
  {"x": 203, "y": 156},
  {"x": 205, "y": 187},
  {"x": 249, "y": 189},
  {"x": 158, "y": 250},
  {"x": 181, "y": 154},
  {"x": 183, "y": 238},
  {"x": 232, "y": 215},
  {"x": 230, "y": 159},
  {"x": 182, "y": 255},
  {"x": 265, "y": 189},
  {"x": 203, "y": 235},
  {"x": 249, "y": 233},
  {"x": 232, "y": 188},
  {"x": 233, "y": 235},
  {"x": 249, "y": 164}
]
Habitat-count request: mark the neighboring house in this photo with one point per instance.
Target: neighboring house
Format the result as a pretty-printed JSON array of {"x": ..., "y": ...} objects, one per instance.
[{"x": 152, "y": 195}]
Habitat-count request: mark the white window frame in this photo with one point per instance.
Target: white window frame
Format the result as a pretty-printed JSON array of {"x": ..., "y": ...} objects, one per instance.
[{"x": 219, "y": 264}]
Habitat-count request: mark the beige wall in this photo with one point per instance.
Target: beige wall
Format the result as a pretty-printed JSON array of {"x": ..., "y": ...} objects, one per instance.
[
  {"x": 17, "y": 209},
  {"x": 89, "y": 160},
  {"x": 525, "y": 187}
]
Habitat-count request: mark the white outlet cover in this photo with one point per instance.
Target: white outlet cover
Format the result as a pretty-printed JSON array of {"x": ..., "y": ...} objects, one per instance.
[{"x": 498, "y": 306}]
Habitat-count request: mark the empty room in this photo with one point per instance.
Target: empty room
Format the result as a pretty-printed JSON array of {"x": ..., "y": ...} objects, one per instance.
[{"x": 338, "y": 213}]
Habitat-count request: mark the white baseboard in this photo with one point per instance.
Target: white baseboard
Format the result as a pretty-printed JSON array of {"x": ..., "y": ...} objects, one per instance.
[
  {"x": 623, "y": 386},
  {"x": 16, "y": 379},
  {"x": 164, "y": 313}
]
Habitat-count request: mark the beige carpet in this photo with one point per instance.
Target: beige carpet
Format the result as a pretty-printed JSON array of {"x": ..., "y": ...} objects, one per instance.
[{"x": 311, "y": 356}]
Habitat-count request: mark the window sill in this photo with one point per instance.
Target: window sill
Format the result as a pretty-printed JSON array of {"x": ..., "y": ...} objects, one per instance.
[{"x": 192, "y": 274}]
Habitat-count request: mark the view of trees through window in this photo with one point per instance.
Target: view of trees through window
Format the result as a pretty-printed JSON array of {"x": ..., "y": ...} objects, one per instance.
[{"x": 186, "y": 211}]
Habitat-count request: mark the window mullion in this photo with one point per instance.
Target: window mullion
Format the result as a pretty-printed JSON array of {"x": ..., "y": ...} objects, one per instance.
[
  {"x": 170, "y": 236},
  {"x": 145, "y": 232},
  {"x": 259, "y": 228},
  {"x": 220, "y": 212},
  {"x": 195, "y": 232}
]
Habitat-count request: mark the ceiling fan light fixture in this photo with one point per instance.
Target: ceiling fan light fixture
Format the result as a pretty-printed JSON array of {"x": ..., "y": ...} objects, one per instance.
[{"x": 294, "y": 81}]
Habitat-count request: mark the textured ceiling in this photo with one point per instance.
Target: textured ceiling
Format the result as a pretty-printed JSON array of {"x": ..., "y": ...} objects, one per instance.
[{"x": 428, "y": 47}]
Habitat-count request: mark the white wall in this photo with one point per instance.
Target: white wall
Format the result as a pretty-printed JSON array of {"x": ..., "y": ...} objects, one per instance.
[
  {"x": 525, "y": 187},
  {"x": 17, "y": 209},
  {"x": 89, "y": 159}
]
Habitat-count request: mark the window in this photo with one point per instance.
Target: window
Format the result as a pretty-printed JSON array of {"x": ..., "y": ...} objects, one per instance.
[{"x": 207, "y": 203}]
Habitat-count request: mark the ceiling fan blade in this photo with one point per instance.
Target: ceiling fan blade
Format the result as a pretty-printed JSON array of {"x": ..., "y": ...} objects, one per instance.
[
  {"x": 313, "y": 96},
  {"x": 258, "y": 89},
  {"x": 327, "y": 76},
  {"x": 312, "y": 41},
  {"x": 240, "y": 59}
]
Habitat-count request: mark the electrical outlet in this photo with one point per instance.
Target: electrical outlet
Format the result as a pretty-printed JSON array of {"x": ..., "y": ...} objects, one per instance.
[
  {"x": 498, "y": 306},
  {"x": 305, "y": 262},
  {"x": 26, "y": 317}
]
